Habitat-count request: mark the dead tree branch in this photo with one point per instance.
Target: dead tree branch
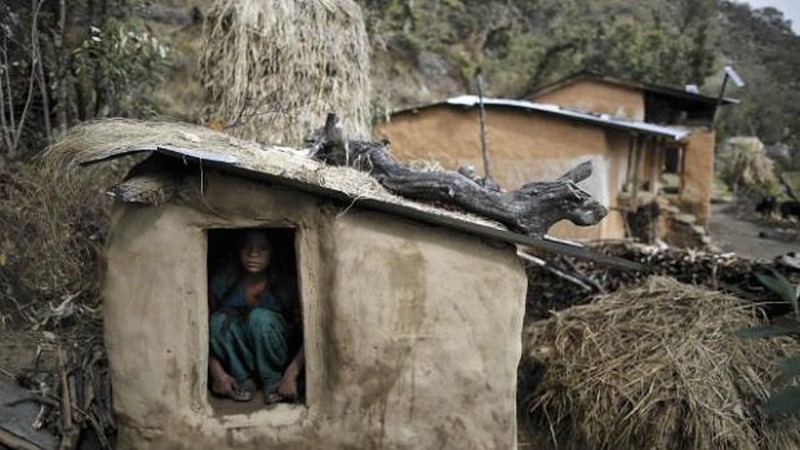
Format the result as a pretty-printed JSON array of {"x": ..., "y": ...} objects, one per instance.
[{"x": 532, "y": 209}]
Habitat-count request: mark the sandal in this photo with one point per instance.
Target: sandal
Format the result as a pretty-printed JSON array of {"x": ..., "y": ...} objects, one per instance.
[
  {"x": 271, "y": 396},
  {"x": 240, "y": 393}
]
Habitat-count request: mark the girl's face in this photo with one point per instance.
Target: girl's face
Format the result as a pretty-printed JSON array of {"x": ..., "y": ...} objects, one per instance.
[{"x": 255, "y": 252}]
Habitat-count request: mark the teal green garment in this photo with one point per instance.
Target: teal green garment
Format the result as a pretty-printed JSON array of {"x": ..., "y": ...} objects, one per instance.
[
  {"x": 250, "y": 344},
  {"x": 229, "y": 291}
]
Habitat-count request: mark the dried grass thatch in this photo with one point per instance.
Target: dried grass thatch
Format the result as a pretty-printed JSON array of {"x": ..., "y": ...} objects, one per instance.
[
  {"x": 273, "y": 69},
  {"x": 109, "y": 137},
  {"x": 655, "y": 367}
]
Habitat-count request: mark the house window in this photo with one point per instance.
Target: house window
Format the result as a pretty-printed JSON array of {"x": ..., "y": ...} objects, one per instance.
[
  {"x": 672, "y": 170},
  {"x": 255, "y": 323}
]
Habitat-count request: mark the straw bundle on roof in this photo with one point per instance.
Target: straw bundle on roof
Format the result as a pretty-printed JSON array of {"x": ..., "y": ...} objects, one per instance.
[
  {"x": 273, "y": 69},
  {"x": 655, "y": 367}
]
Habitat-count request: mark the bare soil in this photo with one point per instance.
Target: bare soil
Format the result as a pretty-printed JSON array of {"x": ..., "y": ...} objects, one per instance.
[{"x": 735, "y": 227}]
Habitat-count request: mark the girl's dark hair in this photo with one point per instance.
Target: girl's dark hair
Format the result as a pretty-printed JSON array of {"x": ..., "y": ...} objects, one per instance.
[{"x": 281, "y": 272}]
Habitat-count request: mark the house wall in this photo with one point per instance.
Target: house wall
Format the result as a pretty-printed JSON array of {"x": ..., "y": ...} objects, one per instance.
[
  {"x": 523, "y": 147},
  {"x": 597, "y": 96},
  {"x": 695, "y": 198},
  {"x": 413, "y": 333}
]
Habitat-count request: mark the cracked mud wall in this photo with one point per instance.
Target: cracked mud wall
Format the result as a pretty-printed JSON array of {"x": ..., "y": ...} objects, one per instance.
[{"x": 412, "y": 331}]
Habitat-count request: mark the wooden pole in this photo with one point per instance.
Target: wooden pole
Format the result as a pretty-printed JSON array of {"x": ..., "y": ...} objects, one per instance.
[
  {"x": 482, "y": 113},
  {"x": 719, "y": 100},
  {"x": 637, "y": 159}
]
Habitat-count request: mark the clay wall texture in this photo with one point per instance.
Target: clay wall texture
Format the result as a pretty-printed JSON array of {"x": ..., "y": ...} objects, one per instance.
[
  {"x": 597, "y": 96},
  {"x": 695, "y": 198},
  {"x": 413, "y": 332}
]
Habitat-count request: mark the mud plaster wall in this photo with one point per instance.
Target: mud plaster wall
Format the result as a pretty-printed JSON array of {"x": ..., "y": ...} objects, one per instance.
[
  {"x": 523, "y": 147},
  {"x": 597, "y": 96},
  {"x": 698, "y": 174},
  {"x": 412, "y": 332}
]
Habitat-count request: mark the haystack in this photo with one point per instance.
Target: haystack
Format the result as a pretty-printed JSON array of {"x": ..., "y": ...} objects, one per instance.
[
  {"x": 654, "y": 367},
  {"x": 273, "y": 69},
  {"x": 744, "y": 164}
]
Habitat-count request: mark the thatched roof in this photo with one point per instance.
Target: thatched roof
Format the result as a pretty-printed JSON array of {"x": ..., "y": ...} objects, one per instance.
[{"x": 108, "y": 139}]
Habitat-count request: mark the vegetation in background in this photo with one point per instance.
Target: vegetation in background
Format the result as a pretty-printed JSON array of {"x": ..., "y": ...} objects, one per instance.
[
  {"x": 521, "y": 44},
  {"x": 64, "y": 62},
  {"x": 766, "y": 52},
  {"x": 787, "y": 399}
]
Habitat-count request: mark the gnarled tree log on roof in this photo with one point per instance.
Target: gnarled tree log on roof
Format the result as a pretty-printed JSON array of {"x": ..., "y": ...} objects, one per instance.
[{"x": 532, "y": 209}]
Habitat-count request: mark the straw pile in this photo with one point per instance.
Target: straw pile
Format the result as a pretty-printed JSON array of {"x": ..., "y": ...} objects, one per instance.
[
  {"x": 744, "y": 163},
  {"x": 654, "y": 367},
  {"x": 273, "y": 69}
]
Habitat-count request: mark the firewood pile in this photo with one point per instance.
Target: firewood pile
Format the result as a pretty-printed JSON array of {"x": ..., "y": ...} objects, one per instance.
[
  {"x": 64, "y": 395},
  {"x": 557, "y": 282}
]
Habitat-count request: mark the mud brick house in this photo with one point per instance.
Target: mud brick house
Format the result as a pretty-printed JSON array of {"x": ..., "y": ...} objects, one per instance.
[
  {"x": 648, "y": 143},
  {"x": 411, "y": 322}
]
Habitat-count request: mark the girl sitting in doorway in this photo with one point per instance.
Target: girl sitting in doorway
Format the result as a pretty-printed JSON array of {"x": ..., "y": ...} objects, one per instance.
[{"x": 253, "y": 333}]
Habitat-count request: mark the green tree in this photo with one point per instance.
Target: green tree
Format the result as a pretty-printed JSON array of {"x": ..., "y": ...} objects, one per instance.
[{"x": 66, "y": 61}]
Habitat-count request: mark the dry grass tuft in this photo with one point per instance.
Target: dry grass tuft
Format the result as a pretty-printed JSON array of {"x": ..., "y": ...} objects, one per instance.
[
  {"x": 654, "y": 367},
  {"x": 273, "y": 69},
  {"x": 52, "y": 228},
  {"x": 91, "y": 139}
]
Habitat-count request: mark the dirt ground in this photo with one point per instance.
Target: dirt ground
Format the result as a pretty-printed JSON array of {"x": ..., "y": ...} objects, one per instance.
[{"x": 736, "y": 228}]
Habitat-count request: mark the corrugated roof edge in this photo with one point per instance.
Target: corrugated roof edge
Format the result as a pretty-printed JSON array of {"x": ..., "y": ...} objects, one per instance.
[
  {"x": 602, "y": 120},
  {"x": 650, "y": 87}
]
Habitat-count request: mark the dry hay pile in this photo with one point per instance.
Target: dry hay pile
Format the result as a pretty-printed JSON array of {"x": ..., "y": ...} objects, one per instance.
[
  {"x": 655, "y": 367},
  {"x": 745, "y": 164},
  {"x": 273, "y": 69}
]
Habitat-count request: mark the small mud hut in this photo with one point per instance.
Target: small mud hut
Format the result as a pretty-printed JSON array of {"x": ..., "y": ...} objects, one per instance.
[{"x": 412, "y": 332}]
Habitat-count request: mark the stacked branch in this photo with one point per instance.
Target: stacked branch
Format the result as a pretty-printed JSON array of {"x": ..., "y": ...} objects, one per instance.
[
  {"x": 558, "y": 282},
  {"x": 532, "y": 209}
]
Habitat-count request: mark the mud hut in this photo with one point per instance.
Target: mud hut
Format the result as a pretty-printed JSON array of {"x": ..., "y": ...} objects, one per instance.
[{"x": 411, "y": 332}]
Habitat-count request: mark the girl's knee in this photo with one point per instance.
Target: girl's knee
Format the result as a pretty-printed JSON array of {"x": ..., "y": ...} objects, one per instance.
[
  {"x": 261, "y": 319},
  {"x": 219, "y": 323}
]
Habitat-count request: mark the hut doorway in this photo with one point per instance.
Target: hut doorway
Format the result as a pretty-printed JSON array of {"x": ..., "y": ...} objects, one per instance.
[{"x": 255, "y": 320}]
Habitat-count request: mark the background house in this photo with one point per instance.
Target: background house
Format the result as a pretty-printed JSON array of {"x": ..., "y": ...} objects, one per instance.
[
  {"x": 646, "y": 142},
  {"x": 681, "y": 173},
  {"x": 529, "y": 142}
]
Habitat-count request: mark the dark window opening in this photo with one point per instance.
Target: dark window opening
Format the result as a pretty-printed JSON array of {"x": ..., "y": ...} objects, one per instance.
[
  {"x": 671, "y": 110},
  {"x": 672, "y": 170},
  {"x": 255, "y": 324},
  {"x": 672, "y": 160}
]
